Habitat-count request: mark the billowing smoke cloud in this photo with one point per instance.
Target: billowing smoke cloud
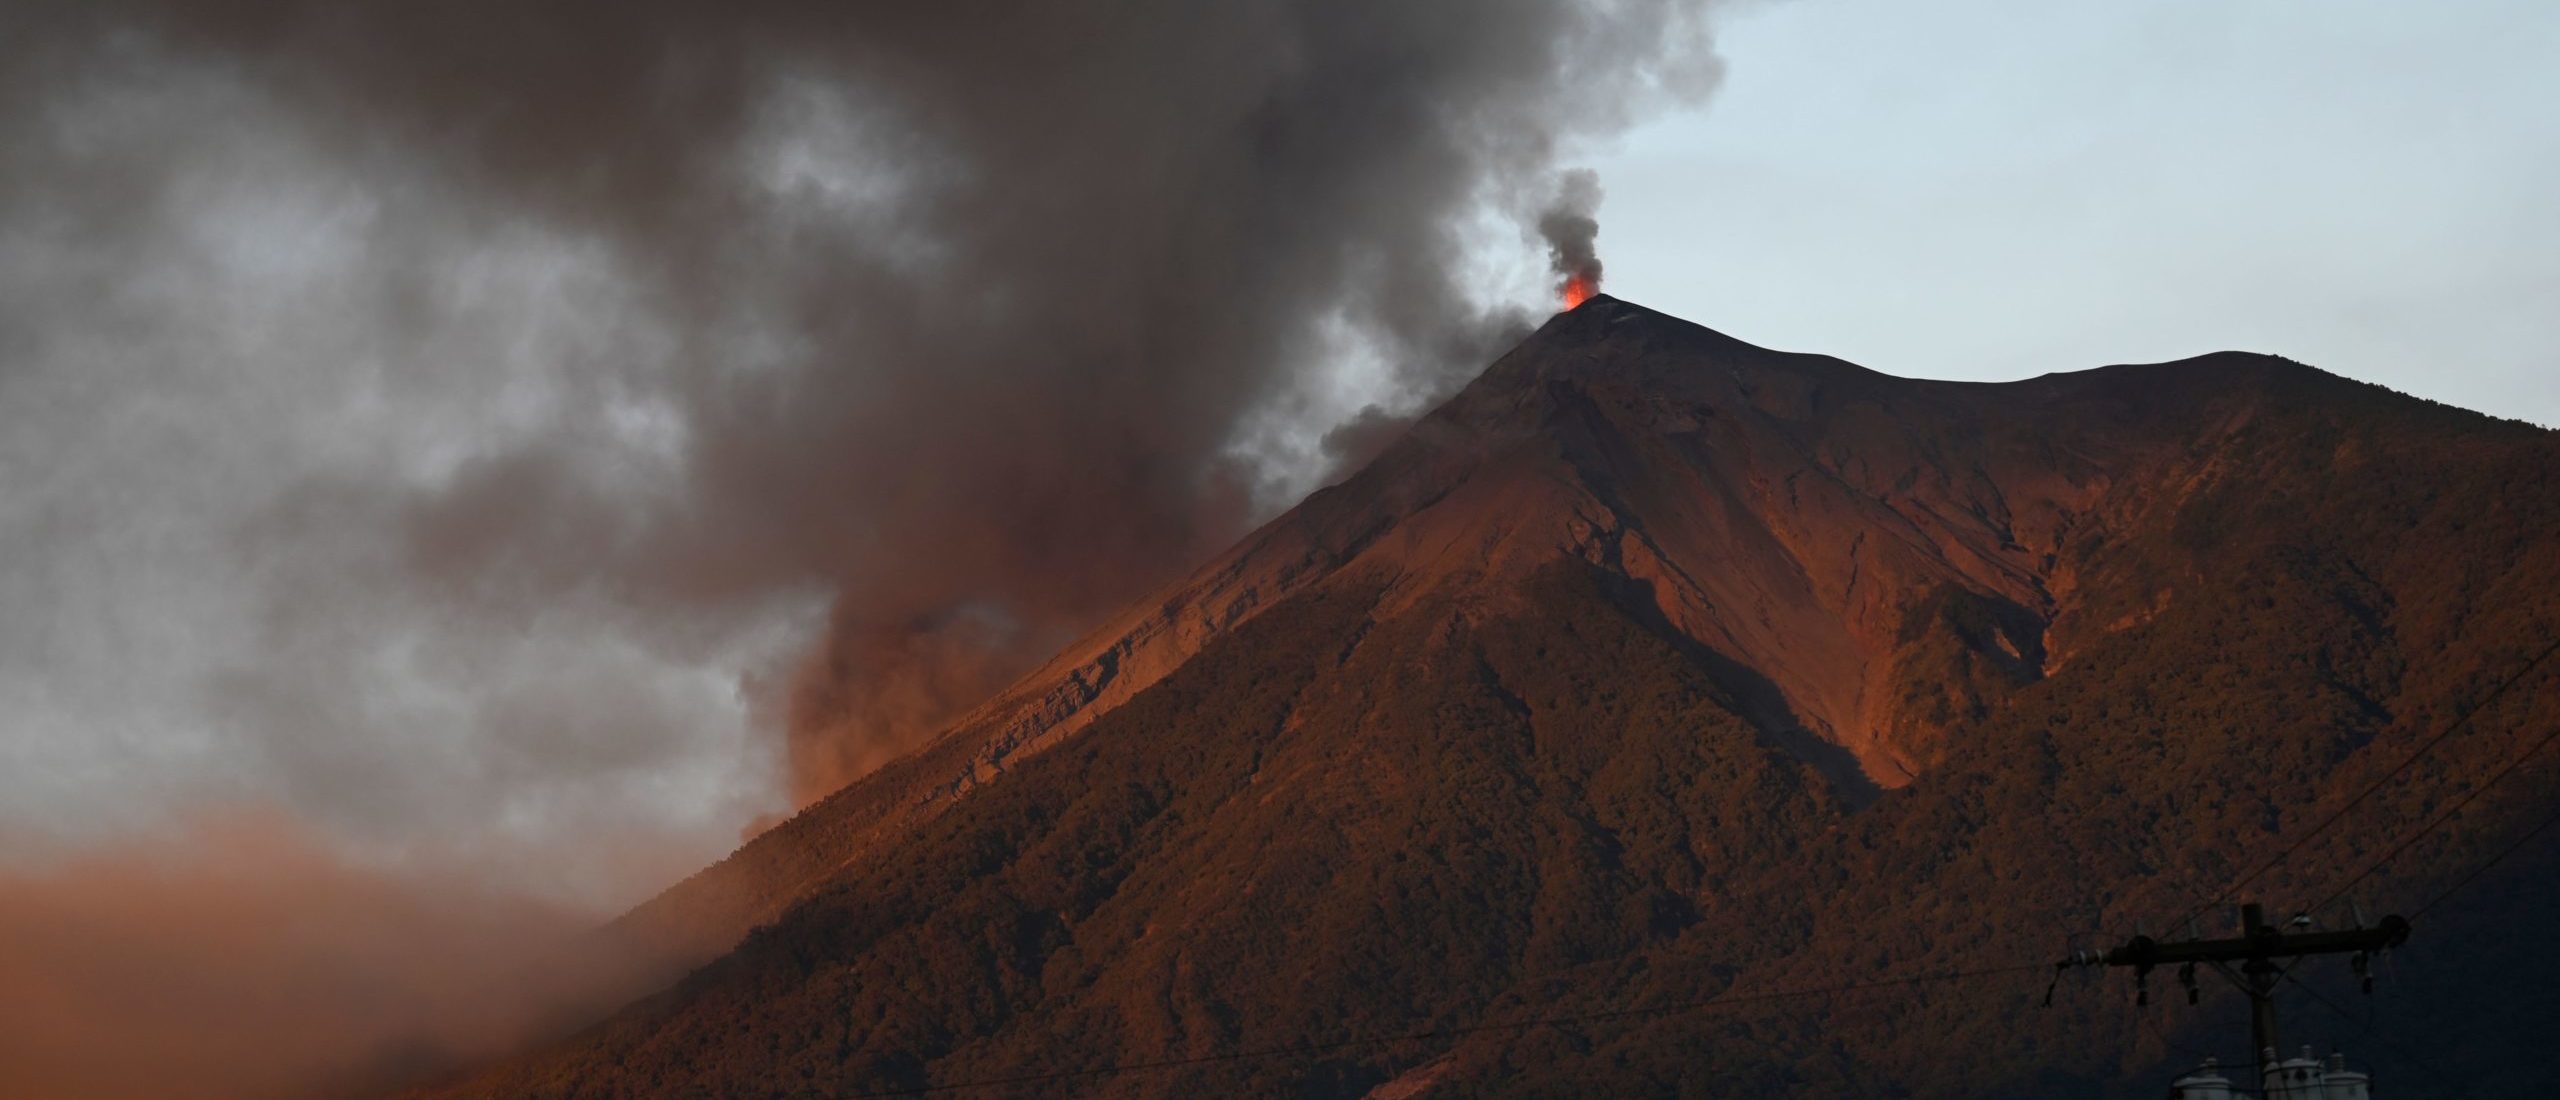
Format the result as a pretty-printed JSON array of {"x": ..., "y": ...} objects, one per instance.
[
  {"x": 1571, "y": 228},
  {"x": 469, "y": 430}
]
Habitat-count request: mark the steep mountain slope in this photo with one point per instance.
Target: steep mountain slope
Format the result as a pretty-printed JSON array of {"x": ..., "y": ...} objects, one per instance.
[
  {"x": 1656, "y": 666},
  {"x": 1764, "y": 513}
]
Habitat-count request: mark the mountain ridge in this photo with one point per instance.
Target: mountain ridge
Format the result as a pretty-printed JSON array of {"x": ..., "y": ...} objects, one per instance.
[
  {"x": 1654, "y": 664},
  {"x": 1133, "y": 649}
]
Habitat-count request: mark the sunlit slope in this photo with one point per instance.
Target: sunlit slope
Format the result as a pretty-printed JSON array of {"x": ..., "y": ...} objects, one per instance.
[{"x": 1654, "y": 667}]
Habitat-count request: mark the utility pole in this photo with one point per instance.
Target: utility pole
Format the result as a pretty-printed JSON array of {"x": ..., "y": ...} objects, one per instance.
[{"x": 2256, "y": 952}]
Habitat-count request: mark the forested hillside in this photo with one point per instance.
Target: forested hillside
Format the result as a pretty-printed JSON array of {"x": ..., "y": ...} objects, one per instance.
[{"x": 1658, "y": 670}]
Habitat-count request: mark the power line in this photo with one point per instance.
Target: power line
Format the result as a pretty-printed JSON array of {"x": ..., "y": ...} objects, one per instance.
[
  {"x": 2459, "y": 720},
  {"x": 1305, "y": 1050},
  {"x": 2493, "y": 861},
  {"x": 2154, "y": 1027},
  {"x": 2439, "y": 820},
  {"x": 2404, "y": 1053}
]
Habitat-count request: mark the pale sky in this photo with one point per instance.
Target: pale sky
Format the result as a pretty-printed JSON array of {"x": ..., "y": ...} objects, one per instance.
[{"x": 1995, "y": 189}]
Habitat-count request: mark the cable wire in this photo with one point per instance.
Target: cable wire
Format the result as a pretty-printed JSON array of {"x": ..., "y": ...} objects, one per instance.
[
  {"x": 1453, "y": 1032},
  {"x": 2404, "y": 1053},
  {"x": 2493, "y": 861},
  {"x": 2438, "y": 821},
  {"x": 2154, "y": 1028},
  {"x": 2459, "y": 720}
]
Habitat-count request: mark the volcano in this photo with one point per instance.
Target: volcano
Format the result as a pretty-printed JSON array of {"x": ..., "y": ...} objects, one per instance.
[{"x": 1654, "y": 680}]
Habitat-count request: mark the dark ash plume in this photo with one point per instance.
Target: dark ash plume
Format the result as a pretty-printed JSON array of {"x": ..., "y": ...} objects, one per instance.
[
  {"x": 605, "y": 335},
  {"x": 1571, "y": 228}
]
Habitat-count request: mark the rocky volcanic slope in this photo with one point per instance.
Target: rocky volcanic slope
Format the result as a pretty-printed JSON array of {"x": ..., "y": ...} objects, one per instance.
[{"x": 1657, "y": 666}]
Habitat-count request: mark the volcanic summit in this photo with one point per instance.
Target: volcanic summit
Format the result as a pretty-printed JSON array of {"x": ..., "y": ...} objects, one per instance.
[{"x": 1655, "y": 667}]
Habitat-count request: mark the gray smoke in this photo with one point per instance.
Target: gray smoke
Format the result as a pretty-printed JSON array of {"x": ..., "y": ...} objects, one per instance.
[
  {"x": 497, "y": 447},
  {"x": 476, "y": 426},
  {"x": 1571, "y": 228}
]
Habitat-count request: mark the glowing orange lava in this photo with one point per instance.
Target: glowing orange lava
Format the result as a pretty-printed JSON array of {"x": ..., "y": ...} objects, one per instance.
[{"x": 1579, "y": 289}]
